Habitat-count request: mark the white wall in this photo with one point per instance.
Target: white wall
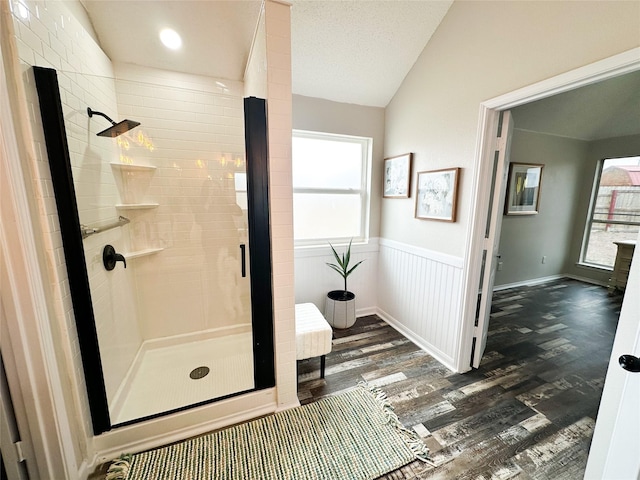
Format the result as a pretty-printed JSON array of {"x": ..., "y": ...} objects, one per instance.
[
  {"x": 526, "y": 239},
  {"x": 482, "y": 50},
  {"x": 314, "y": 278},
  {"x": 279, "y": 107}
]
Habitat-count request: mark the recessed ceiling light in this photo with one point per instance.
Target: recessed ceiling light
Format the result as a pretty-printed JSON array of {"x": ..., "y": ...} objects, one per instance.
[{"x": 170, "y": 39}]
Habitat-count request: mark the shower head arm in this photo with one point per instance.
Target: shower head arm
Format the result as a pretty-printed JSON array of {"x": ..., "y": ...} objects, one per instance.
[{"x": 91, "y": 113}]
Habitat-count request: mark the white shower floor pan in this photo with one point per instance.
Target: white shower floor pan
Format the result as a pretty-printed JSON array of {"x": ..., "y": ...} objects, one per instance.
[{"x": 160, "y": 381}]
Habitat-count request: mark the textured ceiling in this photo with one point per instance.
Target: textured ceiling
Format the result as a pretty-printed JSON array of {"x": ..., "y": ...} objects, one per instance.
[
  {"x": 358, "y": 51},
  {"x": 603, "y": 110}
]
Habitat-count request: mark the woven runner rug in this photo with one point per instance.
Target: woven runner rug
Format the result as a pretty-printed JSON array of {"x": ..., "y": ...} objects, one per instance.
[{"x": 354, "y": 435}]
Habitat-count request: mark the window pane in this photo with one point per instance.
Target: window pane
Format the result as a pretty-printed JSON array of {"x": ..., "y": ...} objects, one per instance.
[
  {"x": 319, "y": 163},
  {"x": 601, "y": 249},
  {"x": 616, "y": 210},
  {"x": 319, "y": 216}
]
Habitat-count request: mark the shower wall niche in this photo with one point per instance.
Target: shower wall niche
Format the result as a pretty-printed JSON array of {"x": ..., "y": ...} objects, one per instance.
[{"x": 179, "y": 181}]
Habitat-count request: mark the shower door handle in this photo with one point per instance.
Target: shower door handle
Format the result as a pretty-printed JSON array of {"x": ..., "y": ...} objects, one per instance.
[{"x": 243, "y": 259}]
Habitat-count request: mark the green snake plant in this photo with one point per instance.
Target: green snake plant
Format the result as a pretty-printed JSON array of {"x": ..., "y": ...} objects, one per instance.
[{"x": 342, "y": 263}]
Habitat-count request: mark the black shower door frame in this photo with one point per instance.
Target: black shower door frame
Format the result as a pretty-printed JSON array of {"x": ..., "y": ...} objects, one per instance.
[{"x": 259, "y": 246}]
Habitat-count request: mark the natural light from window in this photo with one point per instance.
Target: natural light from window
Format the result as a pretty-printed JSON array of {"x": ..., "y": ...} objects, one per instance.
[
  {"x": 615, "y": 210},
  {"x": 330, "y": 194}
]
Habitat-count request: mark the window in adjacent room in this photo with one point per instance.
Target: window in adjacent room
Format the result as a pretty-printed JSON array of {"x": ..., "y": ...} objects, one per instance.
[
  {"x": 330, "y": 187},
  {"x": 615, "y": 210}
]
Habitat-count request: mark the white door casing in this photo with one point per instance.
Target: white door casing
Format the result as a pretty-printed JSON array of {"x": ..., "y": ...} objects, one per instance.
[
  {"x": 615, "y": 448},
  {"x": 490, "y": 255}
]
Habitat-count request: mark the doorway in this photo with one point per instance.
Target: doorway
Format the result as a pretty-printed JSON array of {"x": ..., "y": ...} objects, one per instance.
[{"x": 484, "y": 218}]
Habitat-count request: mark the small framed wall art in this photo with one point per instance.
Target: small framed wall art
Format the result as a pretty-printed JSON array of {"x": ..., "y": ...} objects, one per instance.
[
  {"x": 397, "y": 176},
  {"x": 523, "y": 189},
  {"x": 437, "y": 195}
]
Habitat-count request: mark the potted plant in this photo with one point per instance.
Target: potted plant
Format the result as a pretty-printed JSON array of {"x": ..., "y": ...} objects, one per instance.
[{"x": 340, "y": 306}]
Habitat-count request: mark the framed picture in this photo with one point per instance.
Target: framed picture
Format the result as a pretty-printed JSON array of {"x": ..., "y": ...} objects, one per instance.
[
  {"x": 397, "y": 173},
  {"x": 437, "y": 194},
  {"x": 523, "y": 189}
]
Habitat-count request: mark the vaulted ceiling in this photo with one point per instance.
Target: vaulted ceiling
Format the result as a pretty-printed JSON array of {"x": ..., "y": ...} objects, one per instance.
[{"x": 351, "y": 51}]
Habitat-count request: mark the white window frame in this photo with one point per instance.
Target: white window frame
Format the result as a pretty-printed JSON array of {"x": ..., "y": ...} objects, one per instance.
[
  {"x": 364, "y": 190},
  {"x": 590, "y": 220}
]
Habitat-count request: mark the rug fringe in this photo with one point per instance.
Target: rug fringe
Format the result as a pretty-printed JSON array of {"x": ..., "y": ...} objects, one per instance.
[
  {"x": 119, "y": 469},
  {"x": 411, "y": 438}
]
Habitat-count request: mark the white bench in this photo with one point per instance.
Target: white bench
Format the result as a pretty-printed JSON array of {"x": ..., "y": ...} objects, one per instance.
[{"x": 313, "y": 334}]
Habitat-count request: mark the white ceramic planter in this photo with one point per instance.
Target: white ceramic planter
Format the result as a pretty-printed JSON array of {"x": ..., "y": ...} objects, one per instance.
[{"x": 340, "y": 309}]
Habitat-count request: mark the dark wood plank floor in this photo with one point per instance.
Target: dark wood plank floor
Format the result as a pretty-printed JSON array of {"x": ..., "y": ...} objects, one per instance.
[{"x": 527, "y": 413}]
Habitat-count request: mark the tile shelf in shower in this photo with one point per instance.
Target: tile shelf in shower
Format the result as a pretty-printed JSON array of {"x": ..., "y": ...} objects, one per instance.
[
  {"x": 142, "y": 253},
  {"x": 132, "y": 167},
  {"x": 136, "y": 206}
]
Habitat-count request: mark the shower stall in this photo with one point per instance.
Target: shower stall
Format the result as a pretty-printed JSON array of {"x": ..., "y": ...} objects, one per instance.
[{"x": 165, "y": 228}]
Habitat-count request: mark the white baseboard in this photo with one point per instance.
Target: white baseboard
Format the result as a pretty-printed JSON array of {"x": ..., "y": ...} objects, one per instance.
[
  {"x": 363, "y": 312},
  {"x": 551, "y": 278},
  {"x": 527, "y": 283},
  {"x": 420, "y": 342},
  {"x": 587, "y": 280}
]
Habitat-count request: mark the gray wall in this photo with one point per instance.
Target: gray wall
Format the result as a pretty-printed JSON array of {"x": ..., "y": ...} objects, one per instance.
[
  {"x": 319, "y": 115},
  {"x": 526, "y": 239},
  {"x": 557, "y": 231}
]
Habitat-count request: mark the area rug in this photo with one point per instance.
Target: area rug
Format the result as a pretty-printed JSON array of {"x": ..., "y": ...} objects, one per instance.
[{"x": 353, "y": 435}]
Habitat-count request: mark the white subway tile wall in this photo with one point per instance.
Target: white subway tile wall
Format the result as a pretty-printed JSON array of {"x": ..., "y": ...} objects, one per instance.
[
  {"x": 50, "y": 36},
  {"x": 192, "y": 132}
]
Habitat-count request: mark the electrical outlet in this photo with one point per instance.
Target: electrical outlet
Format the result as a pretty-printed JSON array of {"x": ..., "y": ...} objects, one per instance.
[
  {"x": 544, "y": 259},
  {"x": 499, "y": 266}
]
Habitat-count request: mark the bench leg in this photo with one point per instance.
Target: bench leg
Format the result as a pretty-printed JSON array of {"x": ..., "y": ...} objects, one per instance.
[{"x": 322, "y": 363}]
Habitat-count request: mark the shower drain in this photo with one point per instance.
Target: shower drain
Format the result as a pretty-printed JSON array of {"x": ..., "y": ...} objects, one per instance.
[{"x": 198, "y": 373}]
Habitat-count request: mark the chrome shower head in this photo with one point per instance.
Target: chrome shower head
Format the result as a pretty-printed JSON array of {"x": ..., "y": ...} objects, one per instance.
[{"x": 115, "y": 129}]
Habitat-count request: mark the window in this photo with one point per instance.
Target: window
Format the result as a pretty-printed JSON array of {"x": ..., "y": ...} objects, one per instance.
[
  {"x": 330, "y": 187},
  {"x": 615, "y": 210}
]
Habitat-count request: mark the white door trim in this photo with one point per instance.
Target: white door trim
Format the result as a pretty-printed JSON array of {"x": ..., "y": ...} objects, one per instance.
[{"x": 611, "y": 67}]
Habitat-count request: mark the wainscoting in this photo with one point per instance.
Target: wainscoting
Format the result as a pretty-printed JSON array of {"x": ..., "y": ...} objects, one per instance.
[
  {"x": 419, "y": 294},
  {"x": 313, "y": 278},
  {"x": 415, "y": 290}
]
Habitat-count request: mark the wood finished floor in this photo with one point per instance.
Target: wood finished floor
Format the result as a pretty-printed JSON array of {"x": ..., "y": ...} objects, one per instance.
[{"x": 527, "y": 413}]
